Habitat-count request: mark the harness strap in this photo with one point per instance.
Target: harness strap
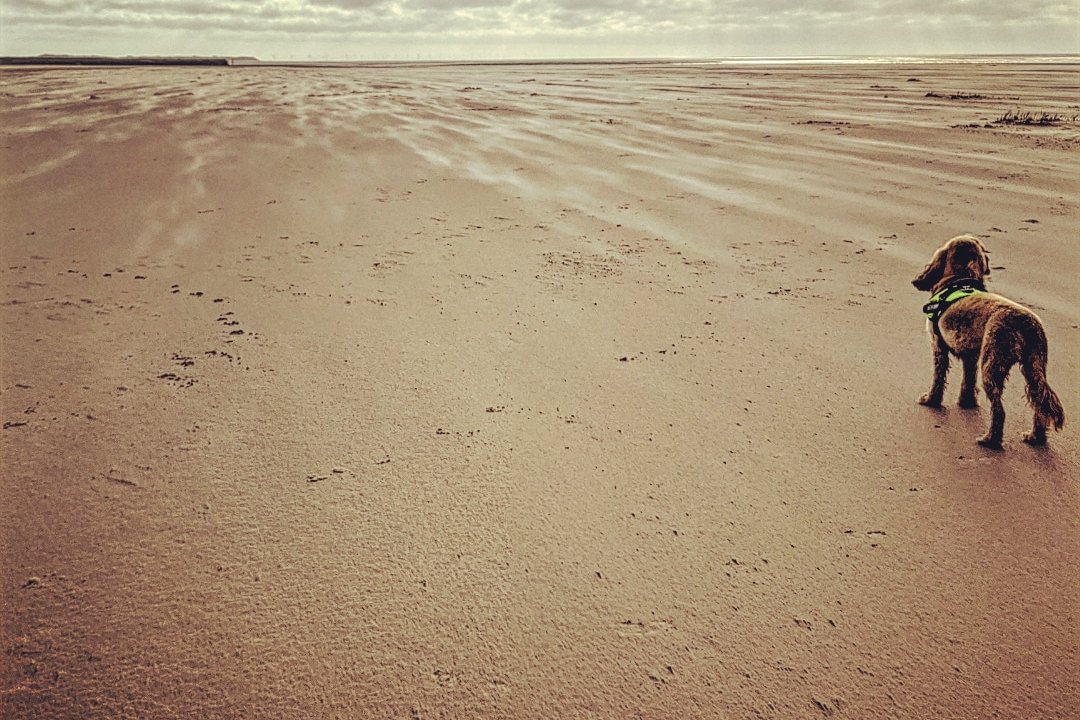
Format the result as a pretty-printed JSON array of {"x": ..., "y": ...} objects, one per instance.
[
  {"x": 946, "y": 296},
  {"x": 943, "y": 298}
]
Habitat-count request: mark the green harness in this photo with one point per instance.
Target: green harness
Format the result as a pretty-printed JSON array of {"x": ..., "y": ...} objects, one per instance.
[{"x": 946, "y": 296}]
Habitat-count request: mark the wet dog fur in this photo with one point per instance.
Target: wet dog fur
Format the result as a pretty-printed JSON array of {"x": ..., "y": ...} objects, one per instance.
[{"x": 989, "y": 333}]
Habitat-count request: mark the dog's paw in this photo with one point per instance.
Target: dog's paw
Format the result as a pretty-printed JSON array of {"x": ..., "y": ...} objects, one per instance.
[
  {"x": 1035, "y": 439},
  {"x": 989, "y": 443},
  {"x": 968, "y": 402},
  {"x": 930, "y": 400}
]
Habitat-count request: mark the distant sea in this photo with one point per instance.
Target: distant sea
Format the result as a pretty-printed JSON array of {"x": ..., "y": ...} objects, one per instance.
[
  {"x": 891, "y": 60},
  {"x": 1058, "y": 59}
]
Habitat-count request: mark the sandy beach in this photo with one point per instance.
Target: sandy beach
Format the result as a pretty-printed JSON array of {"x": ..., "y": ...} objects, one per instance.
[{"x": 527, "y": 391}]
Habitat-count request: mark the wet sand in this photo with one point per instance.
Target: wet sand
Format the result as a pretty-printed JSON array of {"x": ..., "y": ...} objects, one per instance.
[{"x": 526, "y": 392}]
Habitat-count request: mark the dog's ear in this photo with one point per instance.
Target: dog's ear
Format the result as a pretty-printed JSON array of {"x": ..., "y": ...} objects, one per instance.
[
  {"x": 968, "y": 258},
  {"x": 984, "y": 261},
  {"x": 932, "y": 272}
]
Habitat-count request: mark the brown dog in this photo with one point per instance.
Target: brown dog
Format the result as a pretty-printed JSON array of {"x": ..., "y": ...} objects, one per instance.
[{"x": 987, "y": 332}]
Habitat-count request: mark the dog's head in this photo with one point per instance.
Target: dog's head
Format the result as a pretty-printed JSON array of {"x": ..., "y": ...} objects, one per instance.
[{"x": 962, "y": 257}]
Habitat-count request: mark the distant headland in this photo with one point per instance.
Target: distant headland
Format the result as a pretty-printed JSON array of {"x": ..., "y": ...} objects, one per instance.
[{"x": 130, "y": 60}]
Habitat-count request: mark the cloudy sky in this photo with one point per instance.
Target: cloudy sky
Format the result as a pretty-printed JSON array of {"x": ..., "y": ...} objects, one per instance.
[{"x": 495, "y": 29}]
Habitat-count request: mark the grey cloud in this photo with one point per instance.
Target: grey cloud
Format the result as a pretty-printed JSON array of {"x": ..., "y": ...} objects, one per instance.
[{"x": 703, "y": 23}]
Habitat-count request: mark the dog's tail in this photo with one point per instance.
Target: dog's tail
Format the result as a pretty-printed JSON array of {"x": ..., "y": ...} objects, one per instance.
[{"x": 1043, "y": 400}]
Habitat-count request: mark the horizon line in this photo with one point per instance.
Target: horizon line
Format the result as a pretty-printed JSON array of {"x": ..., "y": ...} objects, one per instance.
[{"x": 253, "y": 61}]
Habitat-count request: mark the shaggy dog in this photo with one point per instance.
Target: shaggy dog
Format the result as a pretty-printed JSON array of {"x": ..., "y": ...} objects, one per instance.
[{"x": 987, "y": 332}]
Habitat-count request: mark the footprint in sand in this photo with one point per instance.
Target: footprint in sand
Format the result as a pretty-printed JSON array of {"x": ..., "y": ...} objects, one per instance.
[{"x": 640, "y": 628}]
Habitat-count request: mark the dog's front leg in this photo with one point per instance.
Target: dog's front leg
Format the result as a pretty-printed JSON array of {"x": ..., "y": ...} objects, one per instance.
[{"x": 941, "y": 368}]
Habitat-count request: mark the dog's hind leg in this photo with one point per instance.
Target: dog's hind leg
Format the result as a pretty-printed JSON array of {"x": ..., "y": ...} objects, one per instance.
[
  {"x": 994, "y": 385},
  {"x": 1043, "y": 400},
  {"x": 1037, "y": 436},
  {"x": 1000, "y": 351},
  {"x": 967, "y": 388},
  {"x": 932, "y": 398}
]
